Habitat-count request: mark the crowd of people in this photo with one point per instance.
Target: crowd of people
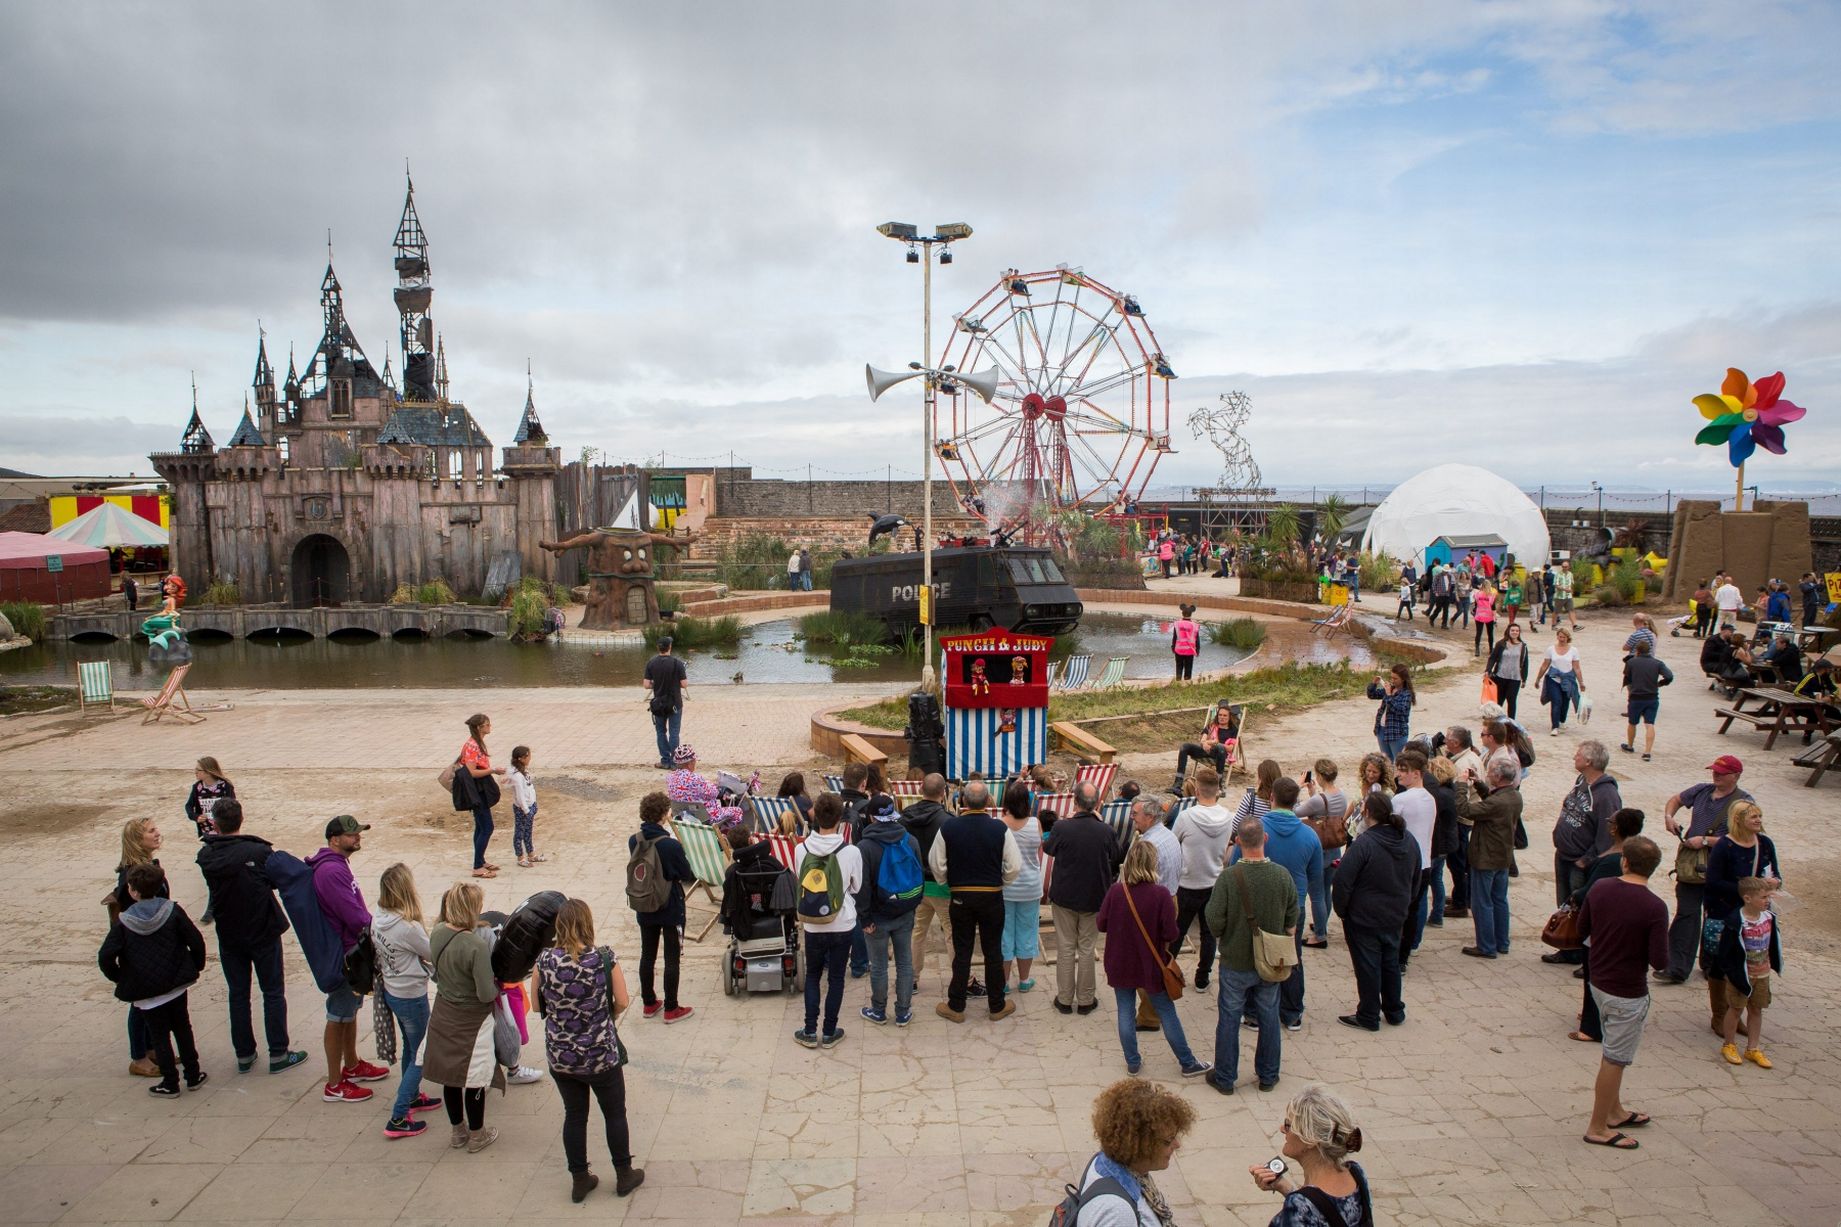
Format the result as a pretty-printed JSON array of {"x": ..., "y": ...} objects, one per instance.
[{"x": 1428, "y": 829}]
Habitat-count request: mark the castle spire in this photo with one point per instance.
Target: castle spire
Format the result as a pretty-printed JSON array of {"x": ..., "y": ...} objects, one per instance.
[
  {"x": 414, "y": 293},
  {"x": 247, "y": 435},
  {"x": 196, "y": 440},
  {"x": 441, "y": 367},
  {"x": 265, "y": 374},
  {"x": 530, "y": 429}
]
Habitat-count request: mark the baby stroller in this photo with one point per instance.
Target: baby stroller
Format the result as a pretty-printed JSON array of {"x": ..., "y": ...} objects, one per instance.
[{"x": 758, "y": 905}]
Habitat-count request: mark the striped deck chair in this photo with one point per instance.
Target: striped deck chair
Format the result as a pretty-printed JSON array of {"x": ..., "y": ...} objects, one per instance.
[
  {"x": 1112, "y": 675},
  {"x": 171, "y": 700},
  {"x": 786, "y": 849},
  {"x": 1097, "y": 774},
  {"x": 1060, "y": 804},
  {"x": 834, "y": 783},
  {"x": 95, "y": 685},
  {"x": 709, "y": 860},
  {"x": 1181, "y": 804},
  {"x": 905, "y": 791},
  {"x": 696, "y": 811},
  {"x": 1074, "y": 673},
  {"x": 1117, "y": 815},
  {"x": 1337, "y": 621},
  {"x": 1049, "y": 681},
  {"x": 767, "y": 812}
]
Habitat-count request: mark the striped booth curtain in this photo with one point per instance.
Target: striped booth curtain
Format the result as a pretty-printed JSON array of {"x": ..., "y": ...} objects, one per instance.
[{"x": 974, "y": 744}]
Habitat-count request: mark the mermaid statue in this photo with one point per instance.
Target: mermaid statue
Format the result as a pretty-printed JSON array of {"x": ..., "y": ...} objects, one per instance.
[{"x": 165, "y": 637}]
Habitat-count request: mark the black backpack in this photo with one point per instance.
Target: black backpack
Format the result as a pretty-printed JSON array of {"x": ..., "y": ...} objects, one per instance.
[
  {"x": 1067, "y": 1210},
  {"x": 361, "y": 964}
]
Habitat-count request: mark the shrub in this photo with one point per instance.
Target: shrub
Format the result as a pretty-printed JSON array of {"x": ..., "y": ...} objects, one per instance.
[
  {"x": 690, "y": 633},
  {"x": 223, "y": 592},
  {"x": 842, "y": 627},
  {"x": 1626, "y": 576},
  {"x": 1245, "y": 633},
  {"x": 669, "y": 602},
  {"x": 1379, "y": 572},
  {"x": 435, "y": 592},
  {"x": 405, "y": 594},
  {"x": 527, "y": 610},
  {"x": 27, "y": 617},
  {"x": 1609, "y": 596}
]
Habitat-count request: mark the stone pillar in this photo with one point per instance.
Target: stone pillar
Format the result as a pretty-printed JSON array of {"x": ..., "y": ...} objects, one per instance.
[
  {"x": 189, "y": 546},
  {"x": 532, "y": 472}
]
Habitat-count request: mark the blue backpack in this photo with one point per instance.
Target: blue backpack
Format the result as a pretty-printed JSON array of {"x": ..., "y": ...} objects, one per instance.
[
  {"x": 898, "y": 879},
  {"x": 319, "y": 941}
]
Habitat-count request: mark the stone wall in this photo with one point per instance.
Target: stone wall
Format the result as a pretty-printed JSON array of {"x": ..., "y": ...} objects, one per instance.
[
  {"x": 813, "y": 532},
  {"x": 1771, "y": 540}
]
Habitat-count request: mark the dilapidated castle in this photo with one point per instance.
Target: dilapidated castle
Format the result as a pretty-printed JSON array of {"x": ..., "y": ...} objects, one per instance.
[{"x": 338, "y": 486}]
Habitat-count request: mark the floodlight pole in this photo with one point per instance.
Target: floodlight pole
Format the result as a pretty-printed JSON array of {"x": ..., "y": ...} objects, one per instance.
[{"x": 929, "y": 403}]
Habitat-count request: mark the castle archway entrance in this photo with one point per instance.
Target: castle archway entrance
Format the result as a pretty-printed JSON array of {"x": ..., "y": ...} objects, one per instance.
[{"x": 322, "y": 572}]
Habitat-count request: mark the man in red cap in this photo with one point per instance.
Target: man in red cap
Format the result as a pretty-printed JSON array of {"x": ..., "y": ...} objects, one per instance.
[{"x": 1706, "y": 805}]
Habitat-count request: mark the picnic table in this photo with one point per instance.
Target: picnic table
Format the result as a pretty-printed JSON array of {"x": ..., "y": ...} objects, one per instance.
[{"x": 1777, "y": 712}]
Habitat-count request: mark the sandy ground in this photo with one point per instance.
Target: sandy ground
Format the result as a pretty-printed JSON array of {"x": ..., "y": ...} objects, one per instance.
[{"x": 1473, "y": 1110}]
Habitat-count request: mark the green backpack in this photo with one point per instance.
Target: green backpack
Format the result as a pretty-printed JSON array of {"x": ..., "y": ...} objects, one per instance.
[{"x": 821, "y": 889}]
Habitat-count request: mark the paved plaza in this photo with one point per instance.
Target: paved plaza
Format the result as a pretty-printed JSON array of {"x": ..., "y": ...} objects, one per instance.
[{"x": 1472, "y": 1111}]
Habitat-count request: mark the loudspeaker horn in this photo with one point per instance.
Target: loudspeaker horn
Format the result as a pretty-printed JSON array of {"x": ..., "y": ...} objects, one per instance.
[
  {"x": 982, "y": 382},
  {"x": 881, "y": 381}
]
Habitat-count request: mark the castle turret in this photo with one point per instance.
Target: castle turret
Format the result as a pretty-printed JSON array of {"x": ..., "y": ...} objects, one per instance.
[
  {"x": 186, "y": 471},
  {"x": 414, "y": 293},
  {"x": 264, "y": 384}
]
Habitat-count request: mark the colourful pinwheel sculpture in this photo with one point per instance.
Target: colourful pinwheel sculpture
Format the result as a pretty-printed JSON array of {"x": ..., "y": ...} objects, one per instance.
[{"x": 1746, "y": 416}]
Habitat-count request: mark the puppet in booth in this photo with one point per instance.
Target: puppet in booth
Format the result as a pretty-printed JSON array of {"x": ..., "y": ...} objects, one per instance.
[
  {"x": 1019, "y": 670},
  {"x": 1006, "y": 720},
  {"x": 980, "y": 684}
]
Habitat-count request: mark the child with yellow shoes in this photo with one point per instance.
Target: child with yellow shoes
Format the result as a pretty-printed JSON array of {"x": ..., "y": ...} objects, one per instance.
[{"x": 1749, "y": 955}]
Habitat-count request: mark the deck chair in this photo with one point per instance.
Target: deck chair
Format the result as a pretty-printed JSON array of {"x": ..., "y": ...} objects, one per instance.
[
  {"x": 1060, "y": 804},
  {"x": 95, "y": 685},
  {"x": 834, "y": 783},
  {"x": 171, "y": 700},
  {"x": 709, "y": 860},
  {"x": 1337, "y": 621},
  {"x": 1117, "y": 815},
  {"x": 1074, "y": 673},
  {"x": 1181, "y": 804},
  {"x": 786, "y": 849},
  {"x": 905, "y": 791},
  {"x": 768, "y": 811},
  {"x": 1112, "y": 675},
  {"x": 696, "y": 811},
  {"x": 1097, "y": 774},
  {"x": 1049, "y": 681}
]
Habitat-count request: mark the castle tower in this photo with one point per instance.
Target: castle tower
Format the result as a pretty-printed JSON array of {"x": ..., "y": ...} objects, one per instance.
[
  {"x": 414, "y": 292},
  {"x": 186, "y": 471},
  {"x": 264, "y": 384}
]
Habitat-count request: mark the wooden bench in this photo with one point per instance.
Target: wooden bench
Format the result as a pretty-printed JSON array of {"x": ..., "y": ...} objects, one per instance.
[
  {"x": 1821, "y": 757},
  {"x": 1071, "y": 737},
  {"x": 858, "y": 750}
]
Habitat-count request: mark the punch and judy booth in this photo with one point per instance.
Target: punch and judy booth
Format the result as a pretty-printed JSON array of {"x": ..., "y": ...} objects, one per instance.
[{"x": 996, "y": 691}]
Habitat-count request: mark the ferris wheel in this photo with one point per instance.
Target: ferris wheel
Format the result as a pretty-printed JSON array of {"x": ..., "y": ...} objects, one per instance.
[{"x": 1081, "y": 415}]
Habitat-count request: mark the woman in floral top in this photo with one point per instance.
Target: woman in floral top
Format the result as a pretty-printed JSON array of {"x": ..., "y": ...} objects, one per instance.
[
  {"x": 685, "y": 787},
  {"x": 580, "y": 992},
  {"x": 1319, "y": 1136}
]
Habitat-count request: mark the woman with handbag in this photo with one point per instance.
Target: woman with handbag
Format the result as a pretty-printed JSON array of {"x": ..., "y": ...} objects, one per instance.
[
  {"x": 1140, "y": 915},
  {"x": 1508, "y": 668},
  {"x": 581, "y": 993},
  {"x": 460, "y": 1053},
  {"x": 474, "y": 775}
]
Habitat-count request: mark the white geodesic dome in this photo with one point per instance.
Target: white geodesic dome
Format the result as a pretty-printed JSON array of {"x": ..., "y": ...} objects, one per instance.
[{"x": 1457, "y": 500}]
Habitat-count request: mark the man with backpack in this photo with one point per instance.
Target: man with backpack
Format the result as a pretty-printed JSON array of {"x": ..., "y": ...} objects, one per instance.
[
  {"x": 886, "y": 903},
  {"x": 342, "y": 905},
  {"x": 976, "y": 856},
  {"x": 856, "y": 806},
  {"x": 656, "y": 871},
  {"x": 249, "y": 928},
  {"x": 830, "y": 880}
]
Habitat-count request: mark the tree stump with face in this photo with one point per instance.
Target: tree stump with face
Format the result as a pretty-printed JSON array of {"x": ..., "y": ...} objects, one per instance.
[{"x": 621, "y": 593}]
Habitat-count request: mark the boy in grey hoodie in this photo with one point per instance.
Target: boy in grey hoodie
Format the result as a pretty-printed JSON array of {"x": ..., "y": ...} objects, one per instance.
[{"x": 153, "y": 954}]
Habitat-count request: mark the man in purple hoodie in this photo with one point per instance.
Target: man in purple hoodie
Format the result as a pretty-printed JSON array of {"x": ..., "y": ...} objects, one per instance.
[{"x": 343, "y": 906}]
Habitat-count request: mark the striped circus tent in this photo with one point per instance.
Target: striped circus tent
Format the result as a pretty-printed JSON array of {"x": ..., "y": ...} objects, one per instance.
[{"x": 974, "y": 744}]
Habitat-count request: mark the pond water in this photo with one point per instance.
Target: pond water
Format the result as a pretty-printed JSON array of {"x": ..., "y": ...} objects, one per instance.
[{"x": 768, "y": 653}]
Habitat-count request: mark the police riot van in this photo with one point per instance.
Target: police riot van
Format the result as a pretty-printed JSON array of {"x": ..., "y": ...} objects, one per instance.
[{"x": 1017, "y": 587}]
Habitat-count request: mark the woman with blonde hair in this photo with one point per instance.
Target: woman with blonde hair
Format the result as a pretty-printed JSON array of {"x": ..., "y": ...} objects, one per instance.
[
  {"x": 1319, "y": 1135},
  {"x": 140, "y": 839},
  {"x": 403, "y": 961},
  {"x": 460, "y": 1052},
  {"x": 581, "y": 993},
  {"x": 1140, "y": 916},
  {"x": 1140, "y": 1126}
]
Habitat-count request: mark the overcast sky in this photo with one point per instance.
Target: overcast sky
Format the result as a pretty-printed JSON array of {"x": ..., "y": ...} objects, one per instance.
[{"x": 1522, "y": 234}]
